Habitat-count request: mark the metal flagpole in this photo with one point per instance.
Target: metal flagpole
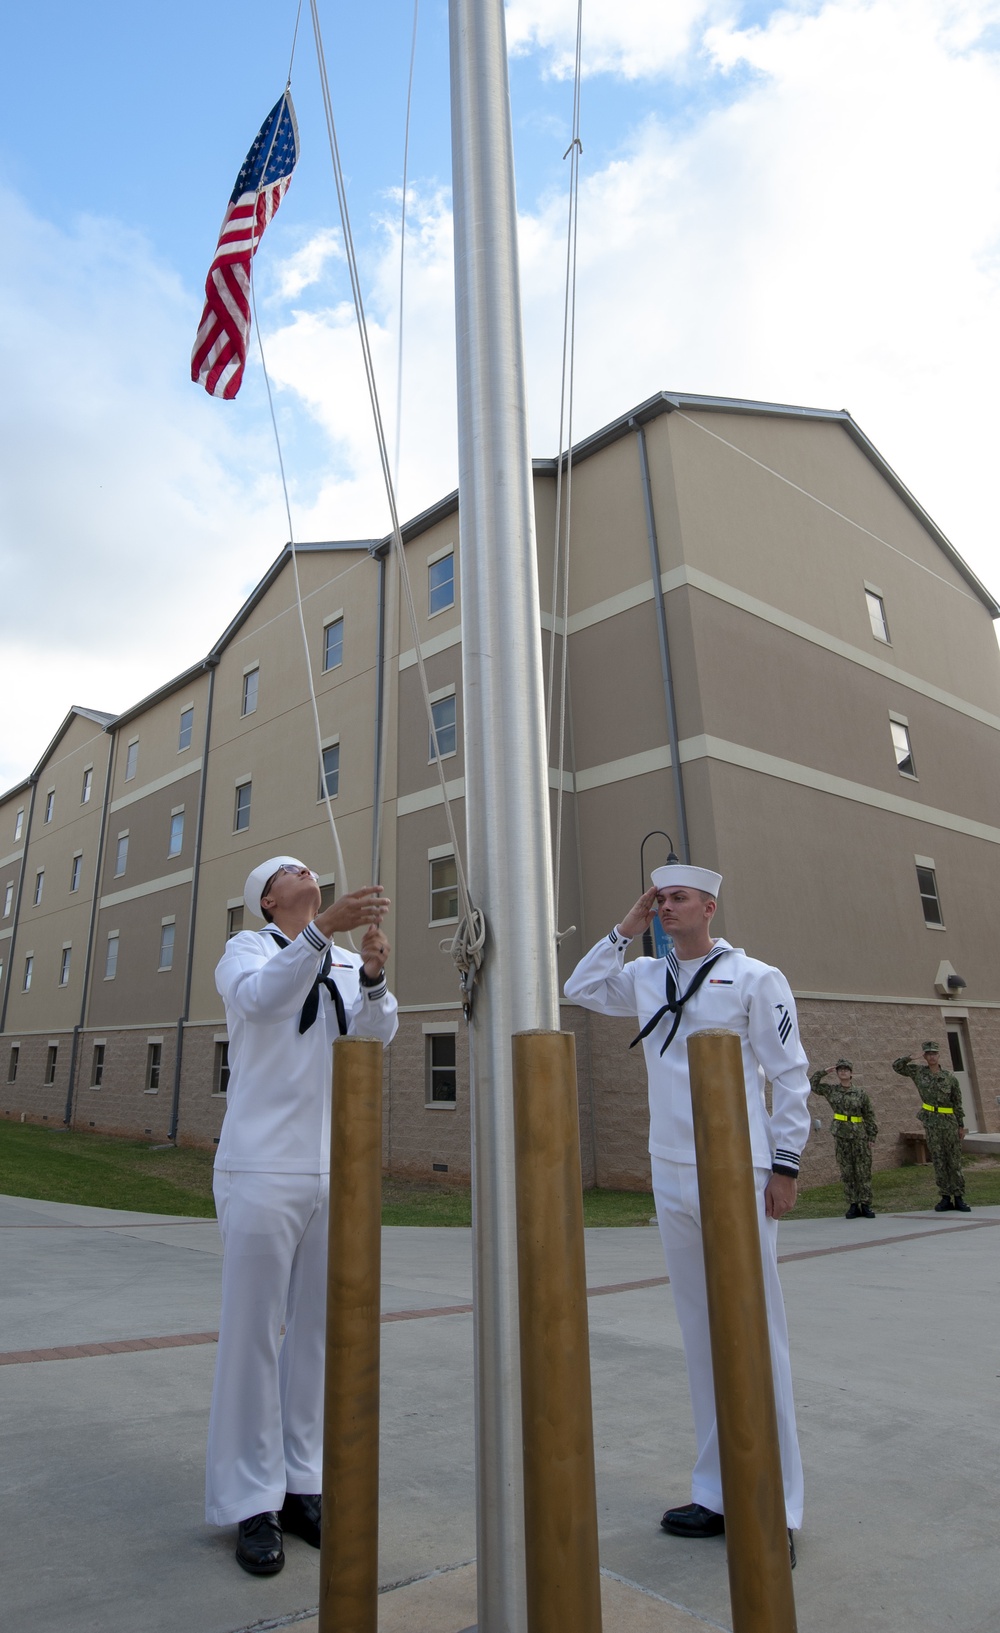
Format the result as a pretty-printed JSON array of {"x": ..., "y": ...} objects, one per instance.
[{"x": 506, "y": 777}]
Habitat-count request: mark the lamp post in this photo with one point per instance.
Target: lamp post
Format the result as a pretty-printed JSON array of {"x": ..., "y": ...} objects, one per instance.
[{"x": 647, "y": 935}]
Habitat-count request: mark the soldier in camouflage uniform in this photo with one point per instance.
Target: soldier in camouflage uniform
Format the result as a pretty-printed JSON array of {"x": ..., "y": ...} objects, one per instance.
[
  {"x": 944, "y": 1124},
  {"x": 854, "y": 1129}
]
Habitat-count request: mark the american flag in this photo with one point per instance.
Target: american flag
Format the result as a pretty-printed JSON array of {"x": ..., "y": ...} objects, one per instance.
[{"x": 220, "y": 350}]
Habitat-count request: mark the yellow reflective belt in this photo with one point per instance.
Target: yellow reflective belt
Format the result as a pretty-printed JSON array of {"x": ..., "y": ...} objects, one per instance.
[
  {"x": 942, "y": 1111},
  {"x": 842, "y": 1117}
]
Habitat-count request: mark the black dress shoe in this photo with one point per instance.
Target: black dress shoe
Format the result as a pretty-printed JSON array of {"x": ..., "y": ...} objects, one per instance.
[
  {"x": 693, "y": 1521},
  {"x": 303, "y": 1515},
  {"x": 960, "y": 1204},
  {"x": 944, "y": 1206},
  {"x": 258, "y": 1547},
  {"x": 866, "y": 1211},
  {"x": 853, "y": 1211}
]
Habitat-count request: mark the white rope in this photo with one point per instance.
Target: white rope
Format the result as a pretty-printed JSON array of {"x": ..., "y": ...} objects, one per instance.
[{"x": 468, "y": 941}]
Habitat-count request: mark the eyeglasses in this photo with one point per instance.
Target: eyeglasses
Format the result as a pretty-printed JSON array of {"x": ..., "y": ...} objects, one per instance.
[{"x": 296, "y": 871}]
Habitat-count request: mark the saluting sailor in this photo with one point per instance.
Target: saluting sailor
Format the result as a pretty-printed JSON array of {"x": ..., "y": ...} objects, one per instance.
[
  {"x": 854, "y": 1132},
  {"x": 704, "y": 982},
  {"x": 944, "y": 1124},
  {"x": 289, "y": 993}
]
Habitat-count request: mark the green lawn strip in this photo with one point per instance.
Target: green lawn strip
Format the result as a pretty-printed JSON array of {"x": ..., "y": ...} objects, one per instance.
[
  {"x": 903, "y": 1190},
  {"x": 92, "y": 1170}
]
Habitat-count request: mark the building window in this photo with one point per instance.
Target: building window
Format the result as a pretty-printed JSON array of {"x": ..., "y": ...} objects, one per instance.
[
  {"x": 8, "y": 898},
  {"x": 220, "y": 1071},
  {"x": 329, "y": 782},
  {"x": 876, "y": 615},
  {"x": 88, "y": 786},
  {"x": 441, "y": 584},
  {"x": 441, "y": 1080},
  {"x": 241, "y": 819},
  {"x": 176, "y": 844},
  {"x": 97, "y": 1066},
  {"x": 15, "y": 1055},
  {"x": 51, "y": 1056},
  {"x": 167, "y": 946},
  {"x": 327, "y": 895},
  {"x": 111, "y": 957},
  {"x": 445, "y": 728},
  {"x": 901, "y": 747},
  {"x": 76, "y": 868},
  {"x": 121, "y": 854},
  {"x": 132, "y": 759},
  {"x": 333, "y": 644},
  {"x": 64, "y": 967},
  {"x": 234, "y": 922},
  {"x": 250, "y": 680},
  {"x": 29, "y": 964},
  {"x": 930, "y": 901},
  {"x": 444, "y": 890},
  {"x": 154, "y": 1053},
  {"x": 19, "y": 824},
  {"x": 187, "y": 727},
  {"x": 39, "y": 886},
  {"x": 50, "y": 804}
]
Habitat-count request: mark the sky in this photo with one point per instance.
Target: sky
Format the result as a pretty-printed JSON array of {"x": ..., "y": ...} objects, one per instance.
[{"x": 796, "y": 203}]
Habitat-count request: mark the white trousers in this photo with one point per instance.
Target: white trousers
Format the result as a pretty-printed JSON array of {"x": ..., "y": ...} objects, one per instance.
[
  {"x": 265, "y": 1429},
  {"x": 675, "y": 1188}
]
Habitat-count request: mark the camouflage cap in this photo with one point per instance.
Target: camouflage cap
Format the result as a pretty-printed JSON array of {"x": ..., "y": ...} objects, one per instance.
[
  {"x": 930, "y": 1049},
  {"x": 846, "y": 1064}
]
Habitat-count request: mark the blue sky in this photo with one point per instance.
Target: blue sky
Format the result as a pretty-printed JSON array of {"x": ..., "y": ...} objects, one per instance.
[{"x": 794, "y": 202}]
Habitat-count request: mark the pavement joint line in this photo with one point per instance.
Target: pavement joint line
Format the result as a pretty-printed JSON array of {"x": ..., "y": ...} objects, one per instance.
[
  {"x": 661, "y": 1598},
  {"x": 127, "y": 1346}
]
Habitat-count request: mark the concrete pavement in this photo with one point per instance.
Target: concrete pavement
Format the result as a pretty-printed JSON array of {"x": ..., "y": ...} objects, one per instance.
[{"x": 106, "y": 1360}]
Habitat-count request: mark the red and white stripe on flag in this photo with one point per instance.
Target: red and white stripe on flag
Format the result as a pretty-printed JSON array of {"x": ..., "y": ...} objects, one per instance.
[{"x": 220, "y": 349}]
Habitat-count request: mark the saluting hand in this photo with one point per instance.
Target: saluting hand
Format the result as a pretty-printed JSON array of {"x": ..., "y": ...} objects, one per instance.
[
  {"x": 641, "y": 916},
  {"x": 369, "y": 905}
]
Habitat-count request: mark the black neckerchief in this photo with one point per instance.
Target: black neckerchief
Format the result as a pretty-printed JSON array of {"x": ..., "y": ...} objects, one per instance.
[
  {"x": 310, "y": 1009},
  {"x": 675, "y": 1005}
]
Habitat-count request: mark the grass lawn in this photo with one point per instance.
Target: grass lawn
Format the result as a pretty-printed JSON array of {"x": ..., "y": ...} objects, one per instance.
[{"x": 56, "y": 1165}]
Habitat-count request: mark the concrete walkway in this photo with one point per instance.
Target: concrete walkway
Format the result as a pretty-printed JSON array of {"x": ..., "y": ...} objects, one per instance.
[{"x": 106, "y": 1357}]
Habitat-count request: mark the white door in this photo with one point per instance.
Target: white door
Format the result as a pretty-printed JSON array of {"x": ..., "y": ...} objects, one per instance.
[{"x": 956, "y": 1050}]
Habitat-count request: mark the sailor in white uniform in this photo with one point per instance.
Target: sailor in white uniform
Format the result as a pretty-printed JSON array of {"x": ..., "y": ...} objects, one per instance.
[
  {"x": 704, "y": 982},
  {"x": 289, "y": 992}
]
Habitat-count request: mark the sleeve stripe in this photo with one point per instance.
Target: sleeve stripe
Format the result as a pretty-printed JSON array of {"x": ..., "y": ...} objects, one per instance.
[
  {"x": 379, "y": 991},
  {"x": 315, "y": 938}
]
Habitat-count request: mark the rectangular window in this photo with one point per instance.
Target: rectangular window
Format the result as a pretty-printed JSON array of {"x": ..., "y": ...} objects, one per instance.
[
  {"x": 167, "y": 932},
  {"x": 64, "y": 967},
  {"x": 220, "y": 1071},
  {"x": 176, "y": 844},
  {"x": 51, "y": 1056},
  {"x": 444, "y": 890},
  {"x": 329, "y": 781},
  {"x": 18, "y": 824},
  {"x": 187, "y": 727},
  {"x": 333, "y": 644},
  {"x": 15, "y": 1055},
  {"x": 327, "y": 895},
  {"x": 234, "y": 921},
  {"x": 111, "y": 957},
  {"x": 39, "y": 886},
  {"x": 250, "y": 680},
  {"x": 445, "y": 728},
  {"x": 441, "y": 584},
  {"x": 121, "y": 854},
  {"x": 132, "y": 759},
  {"x": 876, "y": 615},
  {"x": 29, "y": 964},
  {"x": 930, "y": 901},
  {"x": 88, "y": 786},
  {"x": 50, "y": 804},
  {"x": 154, "y": 1052},
  {"x": 441, "y": 1079},
  {"x": 76, "y": 868},
  {"x": 8, "y": 897},
  {"x": 97, "y": 1066},
  {"x": 901, "y": 747},
  {"x": 241, "y": 818}
]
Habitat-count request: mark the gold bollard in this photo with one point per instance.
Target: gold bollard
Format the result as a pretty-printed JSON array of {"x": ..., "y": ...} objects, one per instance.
[
  {"x": 348, "y": 1564},
  {"x": 560, "y": 1497},
  {"x": 760, "y": 1576}
]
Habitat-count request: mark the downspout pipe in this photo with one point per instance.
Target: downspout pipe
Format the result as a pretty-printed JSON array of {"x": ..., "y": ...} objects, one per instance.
[
  {"x": 175, "y": 1103},
  {"x": 664, "y": 644},
  {"x": 91, "y": 932}
]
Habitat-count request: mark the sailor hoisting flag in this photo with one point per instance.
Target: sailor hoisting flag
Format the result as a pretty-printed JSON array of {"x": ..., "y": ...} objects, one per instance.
[{"x": 220, "y": 350}]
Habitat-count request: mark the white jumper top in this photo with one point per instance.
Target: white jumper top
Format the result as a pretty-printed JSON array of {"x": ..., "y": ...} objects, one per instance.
[
  {"x": 740, "y": 994},
  {"x": 278, "y": 1113}
]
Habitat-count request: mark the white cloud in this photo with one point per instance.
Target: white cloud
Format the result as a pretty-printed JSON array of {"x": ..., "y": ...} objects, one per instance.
[
  {"x": 639, "y": 40},
  {"x": 307, "y": 265}
]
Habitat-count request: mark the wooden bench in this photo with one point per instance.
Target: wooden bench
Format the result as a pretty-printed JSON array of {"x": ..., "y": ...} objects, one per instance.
[{"x": 914, "y": 1143}]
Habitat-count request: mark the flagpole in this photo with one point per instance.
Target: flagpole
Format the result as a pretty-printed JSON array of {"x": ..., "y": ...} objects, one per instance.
[{"x": 506, "y": 775}]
